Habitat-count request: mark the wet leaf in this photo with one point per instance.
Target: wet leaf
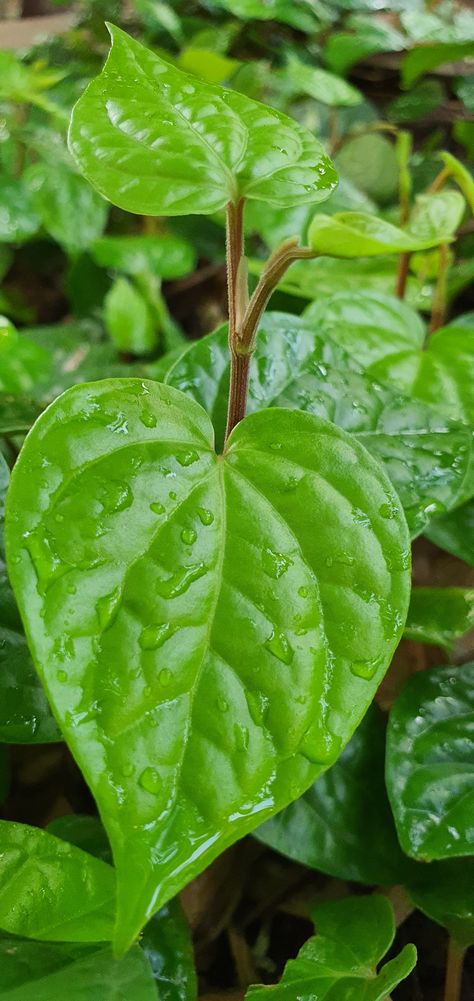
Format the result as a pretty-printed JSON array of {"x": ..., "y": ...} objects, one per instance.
[
  {"x": 63, "y": 895},
  {"x": 440, "y": 615},
  {"x": 84, "y": 832},
  {"x": 69, "y": 209},
  {"x": 343, "y": 824},
  {"x": 128, "y": 319},
  {"x": 133, "y": 595},
  {"x": 427, "y": 457},
  {"x": 18, "y": 217},
  {"x": 357, "y": 234},
  {"x": 17, "y": 414},
  {"x": 341, "y": 960},
  {"x": 41, "y": 971},
  {"x": 443, "y": 891},
  {"x": 165, "y": 255},
  {"x": 167, "y": 944},
  {"x": 22, "y": 363},
  {"x": 454, "y": 532},
  {"x": 186, "y": 146},
  {"x": 430, "y": 776}
]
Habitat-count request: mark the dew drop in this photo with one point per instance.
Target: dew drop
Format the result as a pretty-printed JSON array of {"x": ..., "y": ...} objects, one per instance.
[
  {"x": 148, "y": 419},
  {"x": 127, "y": 770},
  {"x": 188, "y": 536},
  {"x": 222, "y": 704},
  {"x": 188, "y": 457},
  {"x": 303, "y": 591},
  {"x": 173, "y": 495},
  {"x": 150, "y": 780},
  {"x": 165, "y": 676},
  {"x": 275, "y": 446},
  {"x": 157, "y": 508},
  {"x": 365, "y": 668},
  {"x": 275, "y": 564},
  {"x": 241, "y": 735},
  {"x": 279, "y": 646},
  {"x": 61, "y": 676},
  {"x": 180, "y": 581},
  {"x": 386, "y": 511},
  {"x": 107, "y": 608},
  {"x": 205, "y": 517},
  {"x": 154, "y": 636}
]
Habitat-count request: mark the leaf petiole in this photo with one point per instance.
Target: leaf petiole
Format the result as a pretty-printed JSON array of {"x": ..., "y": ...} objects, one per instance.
[{"x": 454, "y": 965}]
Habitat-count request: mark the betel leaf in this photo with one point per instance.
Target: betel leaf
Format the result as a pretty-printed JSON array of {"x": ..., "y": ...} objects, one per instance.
[
  {"x": 51, "y": 890},
  {"x": 429, "y": 769},
  {"x": 133, "y": 592},
  {"x": 436, "y": 216},
  {"x": 425, "y": 58},
  {"x": 18, "y": 217},
  {"x": 461, "y": 175},
  {"x": 441, "y": 375},
  {"x": 370, "y": 162},
  {"x": 343, "y": 824},
  {"x": 357, "y": 234},
  {"x": 128, "y": 318},
  {"x": 83, "y": 831},
  {"x": 187, "y": 147},
  {"x": 166, "y": 942},
  {"x": 440, "y": 615},
  {"x": 42, "y": 971},
  {"x": 165, "y": 255},
  {"x": 368, "y": 324},
  {"x": 341, "y": 960},
  {"x": 299, "y": 13},
  {"x": 443, "y": 891},
  {"x": 17, "y": 414},
  {"x": 22, "y": 363},
  {"x": 318, "y": 83},
  {"x": 427, "y": 457},
  {"x": 323, "y": 276},
  {"x": 454, "y": 532},
  {"x": 69, "y": 209}
]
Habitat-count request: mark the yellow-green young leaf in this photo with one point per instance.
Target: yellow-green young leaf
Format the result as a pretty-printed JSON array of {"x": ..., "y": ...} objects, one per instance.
[
  {"x": 42, "y": 971},
  {"x": 318, "y": 83},
  {"x": 128, "y": 319},
  {"x": 429, "y": 767},
  {"x": 424, "y": 58},
  {"x": 461, "y": 175},
  {"x": 440, "y": 615},
  {"x": 157, "y": 141},
  {"x": 52, "y": 891},
  {"x": 213, "y": 67},
  {"x": 207, "y": 651},
  {"x": 341, "y": 960},
  {"x": 437, "y": 216},
  {"x": 356, "y": 234}
]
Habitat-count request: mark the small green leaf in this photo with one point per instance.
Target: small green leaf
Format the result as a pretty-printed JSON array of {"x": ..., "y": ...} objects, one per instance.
[
  {"x": 324, "y": 276},
  {"x": 69, "y": 209},
  {"x": 443, "y": 891},
  {"x": 18, "y": 217},
  {"x": 370, "y": 162},
  {"x": 210, "y": 66},
  {"x": 367, "y": 324},
  {"x": 166, "y": 942},
  {"x": 343, "y": 825},
  {"x": 454, "y": 532},
  {"x": 22, "y": 364},
  {"x": 115, "y": 526},
  {"x": 165, "y": 255},
  {"x": 340, "y": 961},
  {"x": 318, "y": 83},
  {"x": 84, "y": 832},
  {"x": 41, "y": 971},
  {"x": 343, "y": 49},
  {"x": 357, "y": 234},
  {"x": 427, "y": 457},
  {"x": 128, "y": 319},
  {"x": 63, "y": 894},
  {"x": 440, "y": 615},
  {"x": 461, "y": 175},
  {"x": 430, "y": 775},
  {"x": 299, "y": 14},
  {"x": 425, "y": 58},
  {"x": 17, "y": 414},
  {"x": 185, "y": 146}
]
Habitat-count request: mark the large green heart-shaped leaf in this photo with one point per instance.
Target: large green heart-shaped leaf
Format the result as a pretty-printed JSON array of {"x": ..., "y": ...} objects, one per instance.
[
  {"x": 357, "y": 234},
  {"x": 341, "y": 961},
  {"x": 440, "y": 615},
  {"x": 455, "y": 532},
  {"x": 441, "y": 375},
  {"x": 51, "y": 890},
  {"x": 427, "y": 457},
  {"x": 155, "y": 140},
  {"x": 40, "y": 971},
  {"x": 430, "y": 774},
  {"x": 343, "y": 824},
  {"x": 202, "y": 625}
]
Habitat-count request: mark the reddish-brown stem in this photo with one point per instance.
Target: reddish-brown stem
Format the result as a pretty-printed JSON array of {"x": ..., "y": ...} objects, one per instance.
[
  {"x": 439, "y": 296},
  {"x": 454, "y": 965},
  {"x": 402, "y": 274},
  {"x": 438, "y": 181},
  {"x": 238, "y": 389},
  {"x": 276, "y": 266},
  {"x": 237, "y": 302}
]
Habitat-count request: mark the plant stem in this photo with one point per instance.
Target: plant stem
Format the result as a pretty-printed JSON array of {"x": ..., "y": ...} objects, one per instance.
[
  {"x": 439, "y": 297},
  {"x": 402, "y": 275},
  {"x": 438, "y": 181},
  {"x": 454, "y": 964},
  {"x": 272, "y": 273},
  {"x": 237, "y": 296}
]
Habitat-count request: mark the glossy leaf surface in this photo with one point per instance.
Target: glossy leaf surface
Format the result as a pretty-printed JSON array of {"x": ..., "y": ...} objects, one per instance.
[
  {"x": 128, "y": 319},
  {"x": 357, "y": 234},
  {"x": 17, "y": 414},
  {"x": 429, "y": 768},
  {"x": 40, "y": 971},
  {"x": 51, "y": 890},
  {"x": 165, "y": 255},
  {"x": 343, "y": 824},
  {"x": 455, "y": 532},
  {"x": 185, "y": 146},
  {"x": 440, "y": 615},
  {"x": 368, "y": 324},
  {"x": 25, "y": 716},
  {"x": 443, "y": 891},
  {"x": 116, "y": 535},
  {"x": 427, "y": 457},
  {"x": 166, "y": 942},
  {"x": 340, "y": 961}
]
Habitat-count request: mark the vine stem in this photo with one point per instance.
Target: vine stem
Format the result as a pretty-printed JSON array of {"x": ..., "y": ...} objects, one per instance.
[
  {"x": 439, "y": 297},
  {"x": 454, "y": 965},
  {"x": 245, "y": 314}
]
